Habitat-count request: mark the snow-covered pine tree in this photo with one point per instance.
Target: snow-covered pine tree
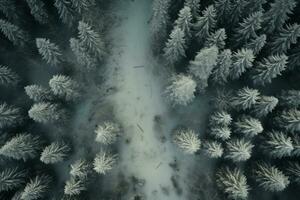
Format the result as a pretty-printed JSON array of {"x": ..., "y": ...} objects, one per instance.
[
  {"x": 80, "y": 169},
  {"x": 181, "y": 90},
  {"x": 277, "y": 15},
  {"x": 233, "y": 183},
  {"x": 248, "y": 126},
  {"x": 8, "y": 8},
  {"x": 49, "y": 51},
  {"x": 194, "y": 5},
  {"x": 203, "y": 64},
  {"x": 104, "y": 162},
  {"x": 223, "y": 8},
  {"x": 255, "y": 5},
  {"x": 174, "y": 50},
  {"x": 65, "y": 87},
  {"x": 270, "y": 178},
  {"x": 221, "y": 72},
  {"x": 220, "y": 118},
  {"x": 217, "y": 38},
  {"x": 74, "y": 187},
  {"x": 238, "y": 150},
  {"x": 213, "y": 149},
  {"x": 256, "y": 44},
  {"x": 22, "y": 146},
  {"x": 220, "y": 132},
  {"x": 11, "y": 178},
  {"x": 237, "y": 10},
  {"x": 184, "y": 21},
  {"x": 296, "y": 144},
  {"x": 222, "y": 99},
  {"x": 13, "y": 33},
  {"x": 242, "y": 60},
  {"x": 187, "y": 141},
  {"x": 286, "y": 37},
  {"x": 82, "y": 5},
  {"x": 206, "y": 22},
  {"x": 107, "y": 132},
  {"x": 269, "y": 69},
  {"x": 160, "y": 18},
  {"x": 277, "y": 144},
  {"x": 290, "y": 98},
  {"x": 289, "y": 120},
  {"x": 248, "y": 28},
  {"x": 38, "y": 11},
  {"x": 293, "y": 170},
  {"x": 294, "y": 58},
  {"x": 91, "y": 40},
  {"x": 65, "y": 11},
  {"x": 9, "y": 115},
  {"x": 55, "y": 152},
  {"x": 84, "y": 59},
  {"x": 245, "y": 98},
  {"x": 8, "y": 77},
  {"x": 264, "y": 106},
  {"x": 36, "y": 188},
  {"x": 38, "y": 93},
  {"x": 46, "y": 112}
]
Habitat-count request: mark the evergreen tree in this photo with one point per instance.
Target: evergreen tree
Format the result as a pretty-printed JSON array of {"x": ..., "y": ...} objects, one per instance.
[
  {"x": 217, "y": 38},
  {"x": 160, "y": 17},
  {"x": 45, "y": 112},
  {"x": 220, "y": 118},
  {"x": 82, "y": 5},
  {"x": 22, "y": 146},
  {"x": 256, "y": 44},
  {"x": 13, "y": 33},
  {"x": 286, "y": 37},
  {"x": 213, "y": 149},
  {"x": 9, "y": 115},
  {"x": 8, "y": 77},
  {"x": 294, "y": 58},
  {"x": 104, "y": 162},
  {"x": 223, "y": 8},
  {"x": 296, "y": 144},
  {"x": 248, "y": 126},
  {"x": 245, "y": 98},
  {"x": 74, "y": 187},
  {"x": 38, "y": 93},
  {"x": 269, "y": 69},
  {"x": 36, "y": 188},
  {"x": 49, "y": 51},
  {"x": 194, "y": 5},
  {"x": 277, "y": 15},
  {"x": 80, "y": 169},
  {"x": 222, "y": 99},
  {"x": 238, "y": 150},
  {"x": 184, "y": 21},
  {"x": 91, "y": 40},
  {"x": 265, "y": 105},
  {"x": 55, "y": 152},
  {"x": 11, "y": 178},
  {"x": 206, "y": 23},
  {"x": 65, "y": 11},
  {"x": 242, "y": 60},
  {"x": 84, "y": 59},
  {"x": 277, "y": 145},
  {"x": 107, "y": 132},
  {"x": 64, "y": 87},
  {"x": 220, "y": 132},
  {"x": 270, "y": 178},
  {"x": 187, "y": 141},
  {"x": 293, "y": 171},
  {"x": 8, "y": 8},
  {"x": 181, "y": 90},
  {"x": 237, "y": 9},
  {"x": 221, "y": 72},
  {"x": 249, "y": 27},
  {"x": 203, "y": 64},
  {"x": 233, "y": 183},
  {"x": 255, "y": 5},
  {"x": 290, "y": 98},
  {"x": 38, "y": 11},
  {"x": 289, "y": 120},
  {"x": 175, "y": 46}
]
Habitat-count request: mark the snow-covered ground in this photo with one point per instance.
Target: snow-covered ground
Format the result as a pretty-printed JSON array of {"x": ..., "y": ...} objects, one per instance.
[{"x": 145, "y": 148}]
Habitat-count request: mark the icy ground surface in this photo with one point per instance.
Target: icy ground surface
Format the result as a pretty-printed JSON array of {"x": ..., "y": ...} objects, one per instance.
[{"x": 145, "y": 148}]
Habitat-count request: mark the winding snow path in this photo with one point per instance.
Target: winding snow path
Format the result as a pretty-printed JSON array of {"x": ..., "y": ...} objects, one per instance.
[{"x": 137, "y": 101}]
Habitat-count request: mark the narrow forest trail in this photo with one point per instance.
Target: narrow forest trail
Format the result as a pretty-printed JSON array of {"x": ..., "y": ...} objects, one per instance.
[{"x": 145, "y": 149}]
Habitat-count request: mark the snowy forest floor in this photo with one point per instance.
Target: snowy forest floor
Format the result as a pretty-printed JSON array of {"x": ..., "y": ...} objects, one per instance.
[{"x": 147, "y": 156}]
